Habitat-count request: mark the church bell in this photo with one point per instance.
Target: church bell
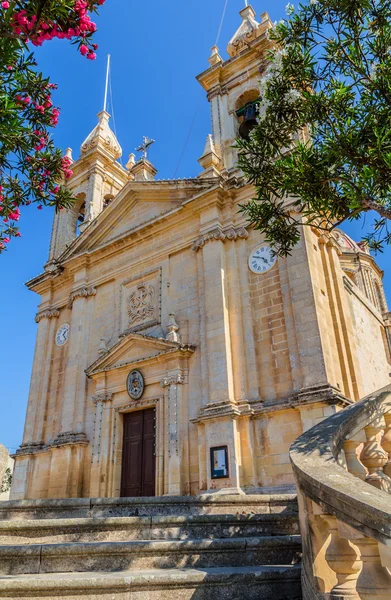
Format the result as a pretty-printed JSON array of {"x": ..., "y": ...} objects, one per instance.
[{"x": 249, "y": 122}]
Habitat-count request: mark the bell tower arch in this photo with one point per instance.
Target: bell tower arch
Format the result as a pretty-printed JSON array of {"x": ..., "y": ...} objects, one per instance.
[{"x": 232, "y": 86}]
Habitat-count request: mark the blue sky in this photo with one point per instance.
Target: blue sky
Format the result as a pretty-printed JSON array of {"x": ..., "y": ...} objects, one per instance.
[{"x": 157, "y": 50}]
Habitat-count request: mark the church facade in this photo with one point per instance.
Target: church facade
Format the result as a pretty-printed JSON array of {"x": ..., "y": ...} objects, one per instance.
[{"x": 175, "y": 355}]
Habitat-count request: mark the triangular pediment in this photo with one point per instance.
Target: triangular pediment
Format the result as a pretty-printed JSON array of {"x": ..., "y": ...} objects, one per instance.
[
  {"x": 137, "y": 205},
  {"x": 135, "y": 348}
]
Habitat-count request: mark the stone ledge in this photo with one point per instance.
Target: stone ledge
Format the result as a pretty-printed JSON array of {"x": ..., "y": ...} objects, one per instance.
[{"x": 62, "y": 585}]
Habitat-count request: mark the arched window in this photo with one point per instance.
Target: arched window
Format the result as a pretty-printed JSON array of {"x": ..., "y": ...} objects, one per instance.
[
  {"x": 246, "y": 112},
  {"x": 107, "y": 200}
]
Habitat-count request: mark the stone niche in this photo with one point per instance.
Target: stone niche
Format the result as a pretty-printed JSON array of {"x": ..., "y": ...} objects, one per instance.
[{"x": 141, "y": 302}]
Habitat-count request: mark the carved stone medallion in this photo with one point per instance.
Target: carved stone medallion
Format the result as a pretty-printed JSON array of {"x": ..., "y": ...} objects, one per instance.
[{"x": 135, "y": 385}]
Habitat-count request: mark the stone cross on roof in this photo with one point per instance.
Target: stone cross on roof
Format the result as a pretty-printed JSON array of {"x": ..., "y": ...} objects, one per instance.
[{"x": 144, "y": 146}]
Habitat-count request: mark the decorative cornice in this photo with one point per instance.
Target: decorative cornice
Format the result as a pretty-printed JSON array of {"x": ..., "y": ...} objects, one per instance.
[
  {"x": 69, "y": 438},
  {"x": 173, "y": 380},
  {"x": 103, "y": 397},
  {"x": 220, "y": 234},
  {"x": 50, "y": 313},
  {"x": 83, "y": 292}
]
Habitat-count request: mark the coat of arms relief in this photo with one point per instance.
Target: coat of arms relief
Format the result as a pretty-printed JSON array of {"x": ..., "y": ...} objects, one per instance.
[{"x": 140, "y": 302}]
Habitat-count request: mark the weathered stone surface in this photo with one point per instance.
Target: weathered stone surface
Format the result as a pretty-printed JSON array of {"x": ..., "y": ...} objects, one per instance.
[
  {"x": 196, "y": 555},
  {"x": 118, "y": 556},
  {"x": 160, "y": 506},
  {"x": 145, "y": 528},
  {"x": 242, "y": 583}
]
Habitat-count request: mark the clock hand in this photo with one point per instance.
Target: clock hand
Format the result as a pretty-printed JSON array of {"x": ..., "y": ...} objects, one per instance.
[{"x": 262, "y": 258}]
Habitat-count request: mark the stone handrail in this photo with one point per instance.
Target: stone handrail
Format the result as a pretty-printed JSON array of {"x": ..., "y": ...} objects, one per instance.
[{"x": 342, "y": 468}]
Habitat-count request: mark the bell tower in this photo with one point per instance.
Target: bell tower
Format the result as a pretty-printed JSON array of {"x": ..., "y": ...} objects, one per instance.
[
  {"x": 233, "y": 85},
  {"x": 97, "y": 178}
]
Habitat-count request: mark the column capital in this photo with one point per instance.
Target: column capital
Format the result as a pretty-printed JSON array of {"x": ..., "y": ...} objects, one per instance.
[
  {"x": 83, "y": 292},
  {"x": 176, "y": 379},
  {"x": 219, "y": 234},
  {"x": 102, "y": 397},
  {"x": 50, "y": 313}
]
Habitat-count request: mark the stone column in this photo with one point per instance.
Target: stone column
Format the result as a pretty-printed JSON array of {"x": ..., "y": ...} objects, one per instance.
[
  {"x": 236, "y": 324},
  {"x": 218, "y": 335},
  {"x": 247, "y": 321},
  {"x": 101, "y": 446},
  {"x": 46, "y": 320},
  {"x": 174, "y": 398},
  {"x": 309, "y": 343},
  {"x": 74, "y": 384}
]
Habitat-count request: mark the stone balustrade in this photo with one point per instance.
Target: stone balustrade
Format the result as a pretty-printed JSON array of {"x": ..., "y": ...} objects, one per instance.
[{"x": 343, "y": 473}]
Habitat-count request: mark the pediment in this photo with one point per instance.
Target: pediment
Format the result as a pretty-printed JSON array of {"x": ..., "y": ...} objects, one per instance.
[
  {"x": 138, "y": 204},
  {"x": 135, "y": 348}
]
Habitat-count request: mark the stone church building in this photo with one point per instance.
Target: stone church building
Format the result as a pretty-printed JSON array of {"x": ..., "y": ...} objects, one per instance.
[{"x": 175, "y": 355}]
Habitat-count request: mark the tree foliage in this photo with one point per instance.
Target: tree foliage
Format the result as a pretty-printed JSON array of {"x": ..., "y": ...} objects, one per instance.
[
  {"x": 31, "y": 168},
  {"x": 322, "y": 145}
]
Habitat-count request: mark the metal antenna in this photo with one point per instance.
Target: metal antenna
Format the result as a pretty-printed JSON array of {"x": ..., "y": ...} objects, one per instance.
[{"x": 107, "y": 82}]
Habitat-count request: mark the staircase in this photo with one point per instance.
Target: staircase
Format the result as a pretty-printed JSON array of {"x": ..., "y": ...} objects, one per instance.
[{"x": 172, "y": 548}]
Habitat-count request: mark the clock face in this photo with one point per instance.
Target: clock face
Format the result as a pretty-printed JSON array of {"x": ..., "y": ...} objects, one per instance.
[
  {"x": 261, "y": 259},
  {"x": 135, "y": 385},
  {"x": 62, "y": 335}
]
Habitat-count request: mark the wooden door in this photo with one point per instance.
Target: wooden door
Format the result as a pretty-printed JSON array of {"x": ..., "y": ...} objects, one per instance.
[{"x": 138, "y": 454}]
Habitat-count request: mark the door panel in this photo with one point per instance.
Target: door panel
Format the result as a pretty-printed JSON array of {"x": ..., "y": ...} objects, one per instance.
[{"x": 138, "y": 455}]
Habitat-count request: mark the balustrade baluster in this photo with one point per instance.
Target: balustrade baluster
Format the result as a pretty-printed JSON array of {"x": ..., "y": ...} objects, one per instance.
[
  {"x": 373, "y": 457},
  {"x": 343, "y": 558},
  {"x": 386, "y": 443},
  {"x": 374, "y": 581},
  {"x": 355, "y": 467}
]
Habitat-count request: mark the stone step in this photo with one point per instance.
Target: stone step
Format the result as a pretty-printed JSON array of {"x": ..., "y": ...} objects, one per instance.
[
  {"x": 159, "y": 506},
  {"x": 119, "y": 556},
  {"x": 234, "y": 583},
  {"x": 119, "y": 529}
]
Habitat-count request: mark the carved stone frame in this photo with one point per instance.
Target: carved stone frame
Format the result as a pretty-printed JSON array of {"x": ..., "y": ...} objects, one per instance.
[{"x": 140, "y": 278}]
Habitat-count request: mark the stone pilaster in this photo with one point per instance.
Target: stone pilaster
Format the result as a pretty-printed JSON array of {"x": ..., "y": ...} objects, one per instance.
[
  {"x": 94, "y": 200},
  {"x": 218, "y": 337},
  {"x": 46, "y": 320},
  {"x": 75, "y": 379},
  {"x": 174, "y": 398}
]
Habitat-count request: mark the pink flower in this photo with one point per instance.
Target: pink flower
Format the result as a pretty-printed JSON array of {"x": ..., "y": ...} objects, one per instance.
[
  {"x": 7, "y": 239},
  {"x": 39, "y": 207},
  {"x": 91, "y": 56},
  {"x": 5, "y": 5},
  {"x": 84, "y": 50}
]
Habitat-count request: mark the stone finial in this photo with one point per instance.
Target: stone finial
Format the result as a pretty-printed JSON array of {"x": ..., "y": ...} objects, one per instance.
[
  {"x": 131, "y": 161},
  {"x": 68, "y": 153},
  {"x": 215, "y": 57},
  {"x": 102, "y": 138},
  {"x": 247, "y": 32},
  {"x": 172, "y": 329},
  {"x": 210, "y": 161},
  {"x": 103, "y": 349}
]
